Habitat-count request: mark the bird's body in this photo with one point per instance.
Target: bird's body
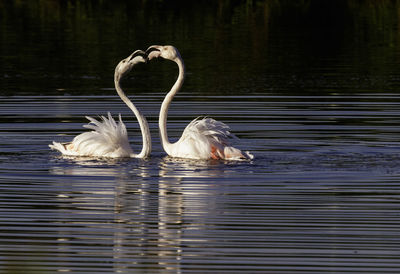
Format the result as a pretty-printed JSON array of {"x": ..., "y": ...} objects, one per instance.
[
  {"x": 205, "y": 138},
  {"x": 109, "y": 138},
  {"x": 202, "y": 138}
]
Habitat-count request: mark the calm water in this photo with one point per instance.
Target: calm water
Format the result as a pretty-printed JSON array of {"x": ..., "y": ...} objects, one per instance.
[{"x": 314, "y": 98}]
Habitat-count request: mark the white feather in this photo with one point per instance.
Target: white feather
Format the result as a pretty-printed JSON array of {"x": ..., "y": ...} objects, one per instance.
[
  {"x": 204, "y": 137},
  {"x": 107, "y": 139}
]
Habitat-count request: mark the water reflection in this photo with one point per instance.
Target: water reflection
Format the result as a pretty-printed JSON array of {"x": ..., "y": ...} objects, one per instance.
[
  {"x": 154, "y": 222},
  {"x": 170, "y": 223},
  {"x": 85, "y": 166},
  {"x": 327, "y": 164},
  {"x": 111, "y": 198},
  {"x": 184, "y": 203},
  {"x": 134, "y": 219},
  {"x": 157, "y": 220}
]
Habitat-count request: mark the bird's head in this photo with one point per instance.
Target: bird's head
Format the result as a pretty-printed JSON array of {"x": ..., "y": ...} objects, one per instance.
[
  {"x": 125, "y": 65},
  {"x": 166, "y": 52}
]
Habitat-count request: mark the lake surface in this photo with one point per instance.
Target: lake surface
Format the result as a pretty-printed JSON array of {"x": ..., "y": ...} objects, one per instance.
[
  {"x": 317, "y": 104},
  {"x": 322, "y": 193}
]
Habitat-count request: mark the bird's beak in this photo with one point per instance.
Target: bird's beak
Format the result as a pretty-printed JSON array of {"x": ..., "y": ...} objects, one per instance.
[
  {"x": 153, "y": 52},
  {"x": 137, "y": 53}
]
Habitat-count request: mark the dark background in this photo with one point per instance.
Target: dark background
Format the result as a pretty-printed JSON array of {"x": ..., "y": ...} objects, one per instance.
[{"x": 51, "y": 47}]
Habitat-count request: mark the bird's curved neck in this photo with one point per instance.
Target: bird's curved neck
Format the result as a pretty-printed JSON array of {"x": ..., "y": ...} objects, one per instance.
[
  {"x": 162, "y": 121},
  {"x": 144, "y": 127}
]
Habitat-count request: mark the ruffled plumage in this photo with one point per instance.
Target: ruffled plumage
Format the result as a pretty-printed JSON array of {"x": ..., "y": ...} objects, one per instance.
[
  {"x": 206, "y": 138},
  {"x": 107, "y": 139},
  {"x": 203, "y": 138}
]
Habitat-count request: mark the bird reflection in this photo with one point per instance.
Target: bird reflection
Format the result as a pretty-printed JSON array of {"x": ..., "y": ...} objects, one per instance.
[
  {"x": 183, "y": 201},
  {"x": 112, "y": 199},
  {"x": 86, "y": 166},
  {"x": 134, "y": 216},
  {"x": 151, "y": 210}
]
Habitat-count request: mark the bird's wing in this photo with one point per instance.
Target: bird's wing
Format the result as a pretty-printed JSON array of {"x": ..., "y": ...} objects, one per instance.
[
  {"x": 208, "y": 138},
  {"x": 107, "y": 138},
  {"x": 210, "y": 128},
  {"x": 200, "y": 137}
]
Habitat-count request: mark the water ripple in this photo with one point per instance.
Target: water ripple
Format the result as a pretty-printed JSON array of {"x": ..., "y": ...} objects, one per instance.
[{"x": 321, "y": 195}]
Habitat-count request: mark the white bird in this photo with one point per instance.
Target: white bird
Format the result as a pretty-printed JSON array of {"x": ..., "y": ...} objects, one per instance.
[
  {"x": 110, "y": 138},
  {"x": 203, "y": 138}
]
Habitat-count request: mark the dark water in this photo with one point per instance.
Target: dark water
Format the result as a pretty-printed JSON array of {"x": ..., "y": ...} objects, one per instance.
[{"x": 311, "y": 90}]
